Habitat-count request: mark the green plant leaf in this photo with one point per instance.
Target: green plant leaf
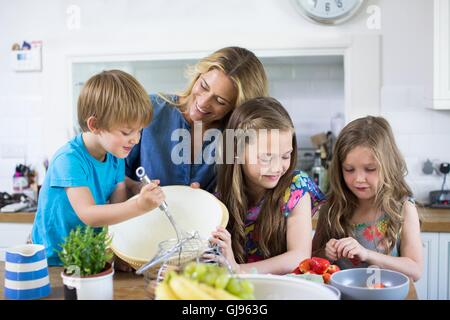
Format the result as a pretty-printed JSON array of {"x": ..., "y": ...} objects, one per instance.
[{"x": 86, "y": 248}]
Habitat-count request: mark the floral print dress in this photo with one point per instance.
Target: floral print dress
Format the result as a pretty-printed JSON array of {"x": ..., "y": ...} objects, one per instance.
[
  {"x": 370, "y": 236},
  {"x": 301, "y": 184}
]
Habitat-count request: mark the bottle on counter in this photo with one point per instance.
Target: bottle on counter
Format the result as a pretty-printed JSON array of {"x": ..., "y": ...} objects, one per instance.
[{"x": 319, "y": 173}]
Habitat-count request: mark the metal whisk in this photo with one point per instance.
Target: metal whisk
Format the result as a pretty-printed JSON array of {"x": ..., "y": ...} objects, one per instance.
[
  {"x": 188, "y": 246},
  {"x": 140, "y": 173}
]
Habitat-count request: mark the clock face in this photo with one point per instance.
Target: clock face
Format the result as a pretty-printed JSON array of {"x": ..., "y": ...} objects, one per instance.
[{"x": 328, "y": 11}]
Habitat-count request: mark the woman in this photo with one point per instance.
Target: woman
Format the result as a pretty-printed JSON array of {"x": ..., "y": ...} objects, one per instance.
[{"x": 219, "y": 83}]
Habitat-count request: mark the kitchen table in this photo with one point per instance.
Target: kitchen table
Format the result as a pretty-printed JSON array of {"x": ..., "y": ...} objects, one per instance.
[{"x": 127, "y": 285}]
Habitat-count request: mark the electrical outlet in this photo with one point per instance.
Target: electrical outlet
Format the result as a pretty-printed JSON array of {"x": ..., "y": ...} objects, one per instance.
[
  {"x": 434, "y": 166},
  {"x": 428, "y": 167},
  {"x": 13, "y": 151}
]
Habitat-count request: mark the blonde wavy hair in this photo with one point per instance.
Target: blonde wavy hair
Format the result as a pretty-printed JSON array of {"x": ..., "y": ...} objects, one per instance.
[
  {"x": 376, "y": 134},
  {"x": 233, "y": 189},
  {"x": 241, "y": 65},
  {"x": 114, "y": 98}
]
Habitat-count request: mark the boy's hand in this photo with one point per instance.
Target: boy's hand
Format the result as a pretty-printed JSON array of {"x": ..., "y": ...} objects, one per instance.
[
  {"x": 330, "y": 250},
  {"x": 150, "y": 197},
  {"x": 350, "y": 248}
]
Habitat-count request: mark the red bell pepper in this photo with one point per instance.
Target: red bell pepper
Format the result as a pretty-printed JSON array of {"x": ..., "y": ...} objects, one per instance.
[{"x": 319, "y": 265}]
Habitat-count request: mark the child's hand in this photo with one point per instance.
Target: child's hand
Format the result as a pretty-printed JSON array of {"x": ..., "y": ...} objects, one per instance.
[
  {"x": 151, "y": 196},
  {"x": 222, "y": 238},
  {"x": 330, "y": 250},
  {"x": 350, "y": 248}
]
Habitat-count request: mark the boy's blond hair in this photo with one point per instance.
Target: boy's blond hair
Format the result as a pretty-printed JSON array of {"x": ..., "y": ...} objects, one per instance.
[{"x": 114, "y": 98}]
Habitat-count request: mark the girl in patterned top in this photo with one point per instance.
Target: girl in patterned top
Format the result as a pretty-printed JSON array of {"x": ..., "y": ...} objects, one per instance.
[
  {"x": 270, "y": 203},
  {"x": 369, "y": 218}
]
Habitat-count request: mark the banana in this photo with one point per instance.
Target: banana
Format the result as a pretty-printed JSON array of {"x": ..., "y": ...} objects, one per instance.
[
  {"x": 164, "y": 292},
  {"x": 216, "y": 293},
  {"x": 187, "y": 289}
]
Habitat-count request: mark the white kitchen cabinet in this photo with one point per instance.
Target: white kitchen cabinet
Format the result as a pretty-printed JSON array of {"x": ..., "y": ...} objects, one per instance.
[
  {"x": 435, "y": 281},
  {"x": 12, "y": 234},
  {"x": 427, "y": 286},
  {"x": 441, "y": 78},
  {"x": 444, "y": 266}
]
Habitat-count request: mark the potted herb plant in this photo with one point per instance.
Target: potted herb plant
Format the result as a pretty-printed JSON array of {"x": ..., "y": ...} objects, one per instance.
[{"x": 88, "y": 272}]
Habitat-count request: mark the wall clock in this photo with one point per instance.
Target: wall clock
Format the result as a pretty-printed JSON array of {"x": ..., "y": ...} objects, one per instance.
[{"x": 328, "y": 12}]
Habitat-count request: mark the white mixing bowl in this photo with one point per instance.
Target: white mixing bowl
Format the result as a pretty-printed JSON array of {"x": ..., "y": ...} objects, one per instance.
[
  {"x": 136, "y": 240},
  {"x": 274, "y": 287}
]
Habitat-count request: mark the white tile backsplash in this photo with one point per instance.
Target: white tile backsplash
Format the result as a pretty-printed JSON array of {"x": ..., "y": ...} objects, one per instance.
[
  {"x": 441, "y": 124},
  {"x": 311, "y": 92},
  {"x": 421, "y": 133}
]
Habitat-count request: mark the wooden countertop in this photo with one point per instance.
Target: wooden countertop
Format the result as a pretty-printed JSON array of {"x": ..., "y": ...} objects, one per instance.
[
  {"x": 17, "y": 217},
  {"x": 433, "y": 220},
  {"x": 127, "y": 285}
]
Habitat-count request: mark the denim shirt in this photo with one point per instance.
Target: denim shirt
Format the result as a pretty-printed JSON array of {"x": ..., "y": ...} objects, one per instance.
[{"x": 157, "y": 149}]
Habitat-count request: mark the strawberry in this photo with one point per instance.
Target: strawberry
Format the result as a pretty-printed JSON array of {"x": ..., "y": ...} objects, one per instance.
[
  {"x": 319, "y": 265},
  {"x": 326, "y": 277},
  {"x": 304, "y": 266},
  {"x": 332, "y": 269}
]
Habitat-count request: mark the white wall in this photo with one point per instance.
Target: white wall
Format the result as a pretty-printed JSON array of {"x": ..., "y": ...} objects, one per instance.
[{"x": 35, "y": 107}]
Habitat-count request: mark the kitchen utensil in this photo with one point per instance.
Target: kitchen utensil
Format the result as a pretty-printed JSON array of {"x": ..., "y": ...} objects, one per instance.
[
  {"x": 181, "y": 234},
  {"x": 137, "y": 240},
  {"x": 362, "y": 283},
  {"x": 26, "y": 272},
  {"x": 187, "y": 247}
]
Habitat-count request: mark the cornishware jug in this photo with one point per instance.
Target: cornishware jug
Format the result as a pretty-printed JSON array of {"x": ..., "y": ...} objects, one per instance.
[{"x": 26, "y": 272}]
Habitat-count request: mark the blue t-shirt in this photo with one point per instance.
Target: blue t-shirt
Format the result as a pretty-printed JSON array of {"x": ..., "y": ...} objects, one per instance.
[
  {"x": 72, "y": 166},
  {"x": 165, "y": 153}
]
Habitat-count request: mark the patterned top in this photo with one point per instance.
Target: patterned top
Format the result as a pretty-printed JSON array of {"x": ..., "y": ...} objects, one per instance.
[
  {"x": 370, "y": 236},
  {"x": 301, "y": 184}
]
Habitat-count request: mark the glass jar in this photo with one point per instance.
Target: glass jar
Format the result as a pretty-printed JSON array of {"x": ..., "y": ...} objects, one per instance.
[{"x": 190, "y": 250}]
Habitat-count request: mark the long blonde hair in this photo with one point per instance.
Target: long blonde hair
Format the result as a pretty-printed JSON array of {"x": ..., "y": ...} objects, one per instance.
[
  {"x": 241, "y": 65},
  {"x": 376, "y": 134},
  {"x": 232, "y": 187}
]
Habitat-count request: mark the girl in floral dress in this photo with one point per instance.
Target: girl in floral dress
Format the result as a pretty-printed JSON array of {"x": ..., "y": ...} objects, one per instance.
[
  {"x": 370, "y": 218},
  {"x": 270, "y": 203}
]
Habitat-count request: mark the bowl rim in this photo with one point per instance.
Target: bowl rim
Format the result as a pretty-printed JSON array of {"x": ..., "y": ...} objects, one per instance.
[
  {"x": 139, "y": 261},
  {"x": 365, "y": 288},
  {"x": 286, "y": 278}
]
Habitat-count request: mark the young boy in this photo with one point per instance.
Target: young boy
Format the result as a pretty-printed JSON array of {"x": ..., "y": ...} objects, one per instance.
[{"x": 84, "y": 184}]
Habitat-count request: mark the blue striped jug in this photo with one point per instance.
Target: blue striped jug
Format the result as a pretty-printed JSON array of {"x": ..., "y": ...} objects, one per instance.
[{"x": 26, "y": 272}]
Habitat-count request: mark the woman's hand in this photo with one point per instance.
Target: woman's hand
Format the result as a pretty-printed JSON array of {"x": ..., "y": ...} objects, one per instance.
[
  {"x": 150, "y": 197},
  {"x": 195, "y": 185},
  {"x": 350, "y": 248},
  {"x": 222, "y": 238},
  {"x": 330, "y": 250}
]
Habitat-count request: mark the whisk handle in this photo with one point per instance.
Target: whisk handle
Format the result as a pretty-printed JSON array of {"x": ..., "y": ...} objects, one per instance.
[{"x": 140, "y": 173}]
